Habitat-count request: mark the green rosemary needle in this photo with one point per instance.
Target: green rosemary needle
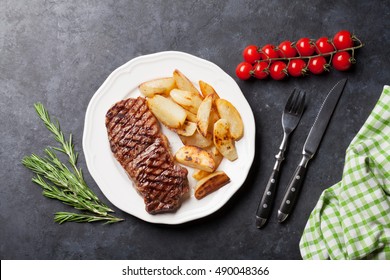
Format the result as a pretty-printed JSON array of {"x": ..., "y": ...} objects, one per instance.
[
  {"x": 64, "y": 184},
  {"x": 62, "y": 217},
  {"x": 67, "y": 147}
]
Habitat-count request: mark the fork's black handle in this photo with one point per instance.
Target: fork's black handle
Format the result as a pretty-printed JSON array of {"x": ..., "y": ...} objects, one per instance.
[
  {"x": 264, "y": 208},
  {"x": 292, "y": 193}
]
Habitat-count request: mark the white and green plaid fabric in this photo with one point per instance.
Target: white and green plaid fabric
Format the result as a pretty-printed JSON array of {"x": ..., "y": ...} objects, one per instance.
[{"x": 352, "y": 218}]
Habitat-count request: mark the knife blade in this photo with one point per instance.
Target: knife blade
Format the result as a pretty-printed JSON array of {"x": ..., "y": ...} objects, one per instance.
[{"x": 310, "y": 148}]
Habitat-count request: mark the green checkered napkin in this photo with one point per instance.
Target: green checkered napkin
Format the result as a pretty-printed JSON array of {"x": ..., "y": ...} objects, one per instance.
[{"x": 352, "y": 218}]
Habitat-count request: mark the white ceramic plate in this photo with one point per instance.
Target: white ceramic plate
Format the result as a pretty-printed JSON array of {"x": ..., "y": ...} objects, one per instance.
[{"x": 123, "y": 83}]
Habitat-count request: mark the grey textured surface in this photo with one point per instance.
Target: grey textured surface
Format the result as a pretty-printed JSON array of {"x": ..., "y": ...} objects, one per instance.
[{"x": 60, "y": 52}]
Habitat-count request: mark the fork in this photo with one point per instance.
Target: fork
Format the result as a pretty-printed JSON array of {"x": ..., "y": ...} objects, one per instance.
[{"x": 290, "y": 118}]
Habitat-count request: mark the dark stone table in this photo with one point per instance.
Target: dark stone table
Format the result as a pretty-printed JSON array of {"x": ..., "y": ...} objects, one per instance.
[{"x": 60, "y": 52}]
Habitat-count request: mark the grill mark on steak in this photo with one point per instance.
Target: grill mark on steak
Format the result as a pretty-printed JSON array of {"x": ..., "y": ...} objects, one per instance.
[
  {"x": 133, "y": 108},
  {"x": 137, "y": 137},
  {"x": 143, "y": 151},
  {"x": 132, "y": 140},
  {"x": 137, "y": 121},
  {"x": 115, "y": 115}
]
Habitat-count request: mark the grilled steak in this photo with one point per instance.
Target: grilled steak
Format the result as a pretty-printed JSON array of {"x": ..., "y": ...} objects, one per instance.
[{"x": 143, "y": 151}]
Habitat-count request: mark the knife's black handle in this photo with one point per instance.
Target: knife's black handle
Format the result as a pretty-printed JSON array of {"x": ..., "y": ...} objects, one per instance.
[
  {"x": 264, "y": 208},
  {"x": 292, "y": 193}
]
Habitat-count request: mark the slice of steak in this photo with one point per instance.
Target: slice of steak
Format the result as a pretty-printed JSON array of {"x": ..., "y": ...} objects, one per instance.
[{"x": 143, "y": 151}]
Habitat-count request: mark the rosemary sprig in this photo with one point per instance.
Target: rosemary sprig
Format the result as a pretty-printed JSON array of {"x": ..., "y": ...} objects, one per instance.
[
  {"x": 62, "y": 217},
  {"x": 68, "y": 197},
  {"x": 64, "y": 184},
  {"x": 67, "y": 147}
]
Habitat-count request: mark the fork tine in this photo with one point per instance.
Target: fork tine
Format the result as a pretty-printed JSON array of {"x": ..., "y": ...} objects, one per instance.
[
  {"x": 296, "y": 103},
  {"x": 301, "y": 102},
  {"x": 290, "y": 101}
]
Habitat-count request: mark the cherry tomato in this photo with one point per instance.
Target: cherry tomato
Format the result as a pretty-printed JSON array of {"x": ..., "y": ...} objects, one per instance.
[
  {"x": 343, "y": 40},
  {"x": 268, "y": 51},
  {"x": 305, "y": 47},
  {"x": 324, "y": 46},
  {"x": 341, "y": 61},
  {"x": 243, "y": 70},
  {"x": 260, "y": 70},
  {"x": 278, "y": 70},
  {"x": 296, "y": 68},
  {"x": 286, "y": 49},
  {"x": 251, "y": 54},
  {"x": 317, "y": 65}
]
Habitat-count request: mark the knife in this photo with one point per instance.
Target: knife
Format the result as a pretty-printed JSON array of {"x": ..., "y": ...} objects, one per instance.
[{"x": 310, "y": 147}]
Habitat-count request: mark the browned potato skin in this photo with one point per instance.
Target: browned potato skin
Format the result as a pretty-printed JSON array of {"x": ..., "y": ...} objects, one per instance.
[
  {"x": 223, "y": 140},
  {"x": 213, "y": 151},
  {"x": 200, "y": 174},
  {"x": 207, "y": 90},
  {"x": 191, "y": 116},
  {"x": 166, "y": 111},
  {"x": 227, "y": 111},
  {"x": 212, "y": 120},
  {"x": 188, "y": 100},
  {"x": 203, "y": 115},
  {"x": 183, "y": 83},
  {"x": 187, "y": 129},
  {"x": 195, "y": 157},
  {"x": 217, "y": 156},
  {"x": 157, "y": 86},
  {"x": 211, "y": 183},
  {"x": 197, "y": 139}
]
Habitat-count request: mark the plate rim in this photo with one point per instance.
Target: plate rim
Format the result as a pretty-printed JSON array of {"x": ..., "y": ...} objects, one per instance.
[{"x": 100, "y": 91}]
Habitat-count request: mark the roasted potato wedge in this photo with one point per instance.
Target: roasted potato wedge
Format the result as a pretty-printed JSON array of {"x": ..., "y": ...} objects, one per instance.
[
  {"x": 212, "y": 120},
  {"x": 228, "y": 112},
  {"x": 211, "y": 183},
  {"x": 200, "y": 174},
  {"x": 187, "y": 129},
  {"x": 223, "y": 141},
  {"x": 166, "y": 111},
  {"x": 157, "y": 86},
  {"x": 207, "y": 90},
  {"x": 197, "y": 139},
  {"x": 187, "y": 99},
  {"x": 195, "y": 157},
  {"x": 217, "y": 156},
  {"x": 183, "y": 83},
  {"x": 203, "y": 115},
  {"x": 191, "y": 116}
]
